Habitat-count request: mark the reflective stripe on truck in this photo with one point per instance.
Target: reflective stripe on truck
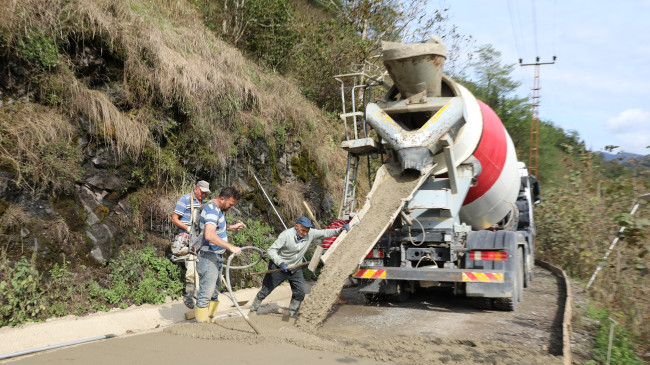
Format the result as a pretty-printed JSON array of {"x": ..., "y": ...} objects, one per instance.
[{"x": 448, "y": 275}]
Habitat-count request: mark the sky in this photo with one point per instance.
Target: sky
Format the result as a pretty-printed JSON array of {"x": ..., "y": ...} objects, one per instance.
[{"x": 599, "y": 85}]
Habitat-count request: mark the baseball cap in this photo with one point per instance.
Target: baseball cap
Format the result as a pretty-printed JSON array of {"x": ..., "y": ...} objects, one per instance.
[
  {"x": 305, "y": 222},
  {"x": 204, "y": 186}
]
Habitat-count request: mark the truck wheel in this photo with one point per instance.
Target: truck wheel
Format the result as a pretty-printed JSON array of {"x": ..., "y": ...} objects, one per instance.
[
  {"x": 510, "y": 304},
  {"x": 521, "y": 274},
  {"x": 402, "y": 293},
  {"x": 482, "y": 303},
  {"x": 528, "y": 273},
  {"x": 371, "y": 298}
]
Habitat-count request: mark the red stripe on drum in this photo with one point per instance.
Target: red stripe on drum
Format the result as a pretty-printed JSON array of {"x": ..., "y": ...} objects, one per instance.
[{"x": 491, "y": 153}]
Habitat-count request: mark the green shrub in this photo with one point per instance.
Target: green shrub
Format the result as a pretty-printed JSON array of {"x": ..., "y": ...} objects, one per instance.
[
  {"x": 38, "y": 50},
  {"x": 21, "y": 296},
  {"x": 622, "y": 350},
  {"x": 134, "y": 277},
  {"x": 151, "y": 278}
]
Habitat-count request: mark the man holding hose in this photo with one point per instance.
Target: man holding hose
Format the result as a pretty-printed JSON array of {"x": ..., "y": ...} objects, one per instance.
[
  {"x": 210, "y": 253},
  {"x": 286, "y": 252}
]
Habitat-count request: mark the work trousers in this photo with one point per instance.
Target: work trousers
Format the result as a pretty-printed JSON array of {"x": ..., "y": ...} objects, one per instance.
[
  {"x": 272, "y": 280},
  {"x": 209, "y": 268},
  {"x": 191, "y": 285}
]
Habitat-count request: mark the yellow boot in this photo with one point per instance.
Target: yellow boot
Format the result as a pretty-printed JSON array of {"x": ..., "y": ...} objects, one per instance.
[
  {"x": 201, "y": 314},
  {"x": 212, "y": 309}
]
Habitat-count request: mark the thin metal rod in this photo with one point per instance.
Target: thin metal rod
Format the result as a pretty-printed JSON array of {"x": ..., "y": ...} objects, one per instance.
[
  {"x": 19, "y": 353},
  {"x": 345, "y": 123},
  {"x": 269, "y": 200},
  {"x": 611, "y": 339},
  {"x": 611, "y": 247}
]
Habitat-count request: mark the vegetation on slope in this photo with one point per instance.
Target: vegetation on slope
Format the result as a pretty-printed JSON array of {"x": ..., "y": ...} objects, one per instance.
[{"x": 148, "y": 85}]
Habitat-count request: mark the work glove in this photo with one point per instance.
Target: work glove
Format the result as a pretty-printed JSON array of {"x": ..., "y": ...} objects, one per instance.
[
  {"x": 283, "y": 267},
  {"x": 346, "y": 227}
]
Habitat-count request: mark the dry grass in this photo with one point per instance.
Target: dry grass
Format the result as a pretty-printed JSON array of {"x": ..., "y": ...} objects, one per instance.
[
  {"x": 13, "y": 219},
  {"x": 126, "y": 131},
  {"x": 623, "y": 288},
  {"x": 36, "y": 145},
  {"x": 291, "y": 196},
  {"x": 151, "y": 211},
  {"x": 171, "y": 58}
]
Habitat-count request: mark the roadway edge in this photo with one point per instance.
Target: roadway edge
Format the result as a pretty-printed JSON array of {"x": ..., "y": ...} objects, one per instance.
[{"x": 568, "y": 303}]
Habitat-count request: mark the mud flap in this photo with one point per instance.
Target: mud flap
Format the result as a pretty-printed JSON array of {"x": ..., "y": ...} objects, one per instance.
[
  {"x": 493, "y": 240},
  {"x": 377, "y": 286}
]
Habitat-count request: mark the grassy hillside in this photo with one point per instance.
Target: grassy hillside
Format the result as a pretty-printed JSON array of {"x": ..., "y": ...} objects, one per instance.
[
  {"x": 110, "y": 110},
  {"x": 147, "y": 79}
]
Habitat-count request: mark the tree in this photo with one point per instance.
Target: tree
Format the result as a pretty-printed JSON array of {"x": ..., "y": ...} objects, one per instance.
[
  {"x": 401, "y": 21},
  {"x": 491, "y": 82},
  {"x": 262, "y": 28}
]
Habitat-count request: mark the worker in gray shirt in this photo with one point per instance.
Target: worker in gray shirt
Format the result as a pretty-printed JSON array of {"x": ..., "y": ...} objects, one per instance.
[{"x": 286, "y": 252}]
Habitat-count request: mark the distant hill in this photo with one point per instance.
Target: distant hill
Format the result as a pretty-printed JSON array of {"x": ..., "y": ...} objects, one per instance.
[
  {"x": 631, "y": 160},
  {"x": 621, "y": 156}
]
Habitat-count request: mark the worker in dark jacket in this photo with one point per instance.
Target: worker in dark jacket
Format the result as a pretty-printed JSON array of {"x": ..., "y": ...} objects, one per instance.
[{"x": 286, "y": 252}]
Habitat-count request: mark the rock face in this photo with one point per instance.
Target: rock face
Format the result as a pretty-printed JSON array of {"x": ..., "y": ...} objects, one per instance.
[
  {"x": 108, "y": 206},
  {"x": 87, "y": 223},
  {"x": 95, "y": 218}
]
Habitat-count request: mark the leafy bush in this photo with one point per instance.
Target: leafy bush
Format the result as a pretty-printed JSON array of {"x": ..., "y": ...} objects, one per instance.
[
  {"x": 622, "y": 351},
  {"x": 20, "y": 292},
  {"x": 151, "y": 278},
  {"x": 577, "y": 221},
  {"x": 136, "y": 276},
  {"x": 38, "y": 50}
]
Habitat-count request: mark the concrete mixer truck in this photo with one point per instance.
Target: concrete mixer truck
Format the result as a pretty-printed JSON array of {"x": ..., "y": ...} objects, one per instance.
[{"x": 466, "y": 220}]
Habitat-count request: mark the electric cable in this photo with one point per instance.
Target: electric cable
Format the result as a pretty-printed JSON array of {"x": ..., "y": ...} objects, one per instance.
[
  {"x": 535, "y": 27},
  {"x": 514, "y": 30}
]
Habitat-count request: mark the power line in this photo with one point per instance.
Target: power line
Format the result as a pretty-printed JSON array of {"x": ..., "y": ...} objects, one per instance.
[
  {"x": 554, "y": 25},
  {"x": 514, "y": 31},
  {"x": 532, "y": 5}
]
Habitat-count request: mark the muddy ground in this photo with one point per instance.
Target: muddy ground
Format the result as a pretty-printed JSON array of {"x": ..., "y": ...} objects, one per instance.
[{"x": 432, "y": 327}]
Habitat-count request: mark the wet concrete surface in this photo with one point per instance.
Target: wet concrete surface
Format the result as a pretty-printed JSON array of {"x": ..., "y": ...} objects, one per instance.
[{"x": 432, "y": 326}]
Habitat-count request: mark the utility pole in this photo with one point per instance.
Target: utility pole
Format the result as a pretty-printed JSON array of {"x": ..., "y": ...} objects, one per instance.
[{"x": 533, "y": 152}]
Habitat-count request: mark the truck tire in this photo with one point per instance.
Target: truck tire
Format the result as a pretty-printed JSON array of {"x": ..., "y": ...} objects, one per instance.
[
  {"x": 510, "y": 304},
  {"x": 482, "y": 303},
  {"x": 521, "y": 273},
  {"x": 403, "y": 294}
]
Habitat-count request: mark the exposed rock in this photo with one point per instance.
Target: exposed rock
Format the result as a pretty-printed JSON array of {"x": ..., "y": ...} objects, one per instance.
[
  {"x": 101, "y": 227},
  {"x": 105, "y": 158},
  {"x": 103, "y": 179}
]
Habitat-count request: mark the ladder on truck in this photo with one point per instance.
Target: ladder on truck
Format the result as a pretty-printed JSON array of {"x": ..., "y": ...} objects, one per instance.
[{"x": 357, "y": 143}]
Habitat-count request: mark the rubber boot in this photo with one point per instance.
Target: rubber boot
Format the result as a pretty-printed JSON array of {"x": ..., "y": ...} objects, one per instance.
[
  {"x": 294, "y": 306},
  {"x": 255, "y": 306},
  {"x": 201, "y": 314},
  {"x": 212, "y": 309}
]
